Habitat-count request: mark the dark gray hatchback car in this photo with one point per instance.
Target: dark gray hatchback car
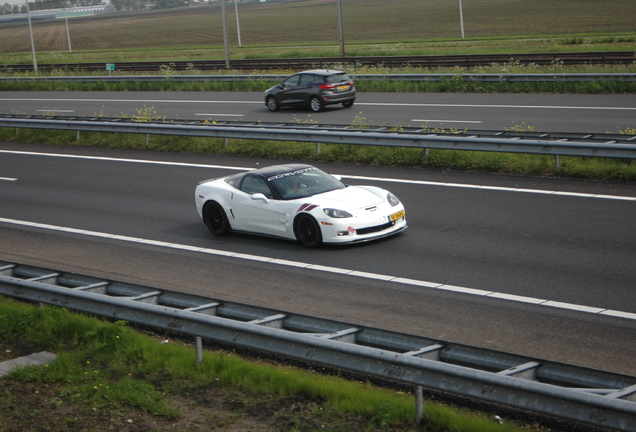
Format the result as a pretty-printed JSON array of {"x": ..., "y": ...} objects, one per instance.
[{"x": 315, "y": 89}]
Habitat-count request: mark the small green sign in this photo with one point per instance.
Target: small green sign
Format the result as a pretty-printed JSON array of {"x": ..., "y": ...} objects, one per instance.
[{"x": 110, "y": 66}]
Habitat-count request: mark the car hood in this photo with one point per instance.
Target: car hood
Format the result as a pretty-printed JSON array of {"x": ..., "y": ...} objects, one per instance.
[{"x": 349, "y": 198}]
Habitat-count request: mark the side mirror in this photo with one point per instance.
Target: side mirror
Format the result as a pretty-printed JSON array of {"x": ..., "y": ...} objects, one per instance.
[{"x": 260, "y": 197}]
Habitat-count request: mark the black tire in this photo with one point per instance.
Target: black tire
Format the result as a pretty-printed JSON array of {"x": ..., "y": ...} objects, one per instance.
[
  {"x": 308, "y": 231},
  {"x": 316, "y": 104},
  {"x": 347, "y": 104},
  {"x": 215, "y": 219},
  {"x": 271, "y": 103}
]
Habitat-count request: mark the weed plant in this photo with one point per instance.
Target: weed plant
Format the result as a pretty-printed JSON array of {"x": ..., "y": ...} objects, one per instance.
[
  {"x": 108, "y": 367},
  {"x": 577, "y": 167}
]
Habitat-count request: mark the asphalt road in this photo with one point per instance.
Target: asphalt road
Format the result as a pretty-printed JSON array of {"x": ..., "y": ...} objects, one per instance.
[
  {"x": 508, "y": 237},
  {"x": 545, "y": 112}
]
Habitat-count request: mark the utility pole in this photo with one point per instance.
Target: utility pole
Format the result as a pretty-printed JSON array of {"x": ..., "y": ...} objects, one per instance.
[
  {"x": 68, "y": 33},
  {"x": 226, "y": 43},
  {"x": 341, "y": 27},
  {"x": 35, "y": 62},
  {"x": 238, "y": 26},
  {"x": 461, "y": 17}
]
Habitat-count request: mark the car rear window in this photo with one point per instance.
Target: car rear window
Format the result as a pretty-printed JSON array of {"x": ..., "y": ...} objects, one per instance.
[{"x": 337, "y": 78}]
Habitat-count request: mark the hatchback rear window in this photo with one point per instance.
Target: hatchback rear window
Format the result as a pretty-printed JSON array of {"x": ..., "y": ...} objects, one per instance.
[{"x": 337, "y": 78}]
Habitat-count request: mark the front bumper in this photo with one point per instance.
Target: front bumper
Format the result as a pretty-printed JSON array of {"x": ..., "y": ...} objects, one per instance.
[{"x": 361, "y": 228}]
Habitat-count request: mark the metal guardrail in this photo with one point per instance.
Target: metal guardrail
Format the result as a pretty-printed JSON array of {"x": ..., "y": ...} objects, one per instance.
[
  {"x": 555, "y": 144},
  {"x": 590, "y": 396},
  {"x": 348, "y": 62},
  {"x": 468, "y": 77}
]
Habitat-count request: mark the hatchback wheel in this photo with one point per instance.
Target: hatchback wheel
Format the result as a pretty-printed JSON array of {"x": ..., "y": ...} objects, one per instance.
[
  {"x": 316, "y": 104},
  {"x": 308, "y": 231},
  {"x": 347, "y": 104},
  {"x": 272, "y": 105}
]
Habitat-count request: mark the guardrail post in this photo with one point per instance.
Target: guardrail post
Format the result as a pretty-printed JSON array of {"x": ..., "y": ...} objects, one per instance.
[
  {"x": 557, "y": 162},
  {"x": 77, "y": 136},
  {"x": 317, "y": 147},
  {"x": 199, "y": 347},
  {"x": 17, "y": 130},
  {"x": 226, "y": 143},
  {"x": 147, "y": 139},
  {"x": 419, "y": 404}
]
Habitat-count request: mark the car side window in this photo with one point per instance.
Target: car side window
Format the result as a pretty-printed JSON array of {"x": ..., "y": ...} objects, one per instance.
[
  {"x": 306, "y": 79},
  {"x": 253, "y": 185},
  {"x": 292, "y": 80}
]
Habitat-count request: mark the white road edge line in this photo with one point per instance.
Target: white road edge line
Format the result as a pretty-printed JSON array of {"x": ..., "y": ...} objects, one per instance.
[
  {"x": 336, "y": 270},
  {"x": 446, "y": 121},
  {"x": 219, "y": 115},
  {"x": 8, "y": 179},
  {"x": 381, "y": 179}
]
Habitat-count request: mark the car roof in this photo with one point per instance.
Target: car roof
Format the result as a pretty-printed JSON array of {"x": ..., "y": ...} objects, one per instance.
[
  {"x": 322, "y": 72},
  {"x": 279, "y": 169}
]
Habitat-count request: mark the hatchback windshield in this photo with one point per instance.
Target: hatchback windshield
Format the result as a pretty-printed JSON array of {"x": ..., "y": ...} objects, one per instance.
[{"x": 303, "y": 183}]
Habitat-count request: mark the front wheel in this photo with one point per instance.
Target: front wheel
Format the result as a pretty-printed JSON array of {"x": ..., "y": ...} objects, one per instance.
[
  {"x": 271, "y": 103},
  {"x": 308, "y": 231},
  {"x": 215, "y": 219},
  {"x": 347, "y": 104},
  {"x": 316, "y": 104}
]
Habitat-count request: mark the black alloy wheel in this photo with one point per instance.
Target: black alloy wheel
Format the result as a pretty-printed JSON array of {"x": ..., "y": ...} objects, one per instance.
[
  {"x": 272, "y": 105},
  {"x": 308, "y": 231},
  {"x": 215, "y": 218},
  {"x": 316, "y": 104},
  {"x": 347, "y": 104}
]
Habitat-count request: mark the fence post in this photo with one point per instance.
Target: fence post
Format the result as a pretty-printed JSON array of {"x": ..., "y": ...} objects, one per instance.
[
  {"x": 199, "y": 347},
  {"x": 419, "y": 404}
]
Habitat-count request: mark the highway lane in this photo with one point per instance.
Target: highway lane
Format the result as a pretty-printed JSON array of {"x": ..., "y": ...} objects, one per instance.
[
  {"x": 544, "y": 112},
  {"x": 573, "y": 249}
]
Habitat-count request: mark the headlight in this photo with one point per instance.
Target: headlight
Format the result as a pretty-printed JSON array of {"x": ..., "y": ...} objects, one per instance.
[
  {"x": 337, "y": 214},
  {"x": 392, "y": 199}
]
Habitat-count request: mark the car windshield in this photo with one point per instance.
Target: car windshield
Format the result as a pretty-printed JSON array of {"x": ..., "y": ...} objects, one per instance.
[
  {"x": 337, "y": 78},
  {"x": 303, "y": 183}
]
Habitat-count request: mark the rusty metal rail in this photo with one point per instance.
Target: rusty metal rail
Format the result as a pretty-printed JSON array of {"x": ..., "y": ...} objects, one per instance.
[{"x": 429, "y": 62}]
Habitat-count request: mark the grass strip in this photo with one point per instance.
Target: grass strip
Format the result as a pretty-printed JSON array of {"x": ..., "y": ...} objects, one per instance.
[
  {"x": 509, "y": 163},
  {"x": 107, "y": 374}
]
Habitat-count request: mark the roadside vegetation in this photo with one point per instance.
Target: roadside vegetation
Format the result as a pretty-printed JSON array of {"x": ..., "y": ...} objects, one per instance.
[
  {"x": 109, "y": 376},
  {"x": 539, "y": 165}
]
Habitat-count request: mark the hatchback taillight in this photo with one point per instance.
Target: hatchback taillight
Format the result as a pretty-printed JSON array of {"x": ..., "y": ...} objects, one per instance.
[{"x": 327, "y": 86}]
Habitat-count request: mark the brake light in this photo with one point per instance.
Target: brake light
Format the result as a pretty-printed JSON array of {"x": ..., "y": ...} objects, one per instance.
[{"x": 327, "y": 86}]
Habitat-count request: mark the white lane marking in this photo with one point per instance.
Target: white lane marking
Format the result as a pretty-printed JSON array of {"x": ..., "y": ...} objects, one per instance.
[
  {"x": 8, "y": 179},
  {"x": 131, "y": 100},
  {"x": 55, "y": 110},
  {"x": 335, "y": 270},
  {"x": 446, "y": 121},
  {"x": 380, "y": 179},
  {"x": 357, "y": 103},
  {"x": 497, "y": 106},
  {"x": 219, "y": 115}
]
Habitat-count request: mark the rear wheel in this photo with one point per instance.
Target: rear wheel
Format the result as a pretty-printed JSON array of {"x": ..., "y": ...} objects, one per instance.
[
  {"x": 271, "y": 103},
  {"x": 215, "y": 219},
  {"x": 316, "y": 104},
  {"x": 308, "y": 231},
  {"x": 347, "y": 104}
]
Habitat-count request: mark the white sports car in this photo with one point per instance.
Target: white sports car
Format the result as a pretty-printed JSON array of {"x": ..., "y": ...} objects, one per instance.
[{"x": 298, "y": 202}]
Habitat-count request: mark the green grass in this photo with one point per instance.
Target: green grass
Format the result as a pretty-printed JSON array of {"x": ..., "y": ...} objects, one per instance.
[
  {"x": 574, "y": 167},
  {"x": 109, "y": 369}
]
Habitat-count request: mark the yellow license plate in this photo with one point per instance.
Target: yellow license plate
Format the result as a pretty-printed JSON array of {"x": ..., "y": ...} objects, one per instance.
[
  {"x": 396, "y": 216},
  {"x": 343, "y": 87}
]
